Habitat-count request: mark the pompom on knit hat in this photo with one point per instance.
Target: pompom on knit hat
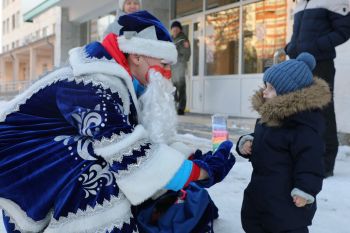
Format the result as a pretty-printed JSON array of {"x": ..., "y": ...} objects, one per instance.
[{"x": 291, "y": 75}]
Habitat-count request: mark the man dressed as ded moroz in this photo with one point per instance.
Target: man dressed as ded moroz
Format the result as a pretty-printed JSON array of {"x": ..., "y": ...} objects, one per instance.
[{"x": 90, "y": 139}]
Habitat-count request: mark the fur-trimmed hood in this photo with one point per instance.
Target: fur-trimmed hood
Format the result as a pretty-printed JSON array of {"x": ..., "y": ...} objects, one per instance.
[{"x": 274, "y": 111}]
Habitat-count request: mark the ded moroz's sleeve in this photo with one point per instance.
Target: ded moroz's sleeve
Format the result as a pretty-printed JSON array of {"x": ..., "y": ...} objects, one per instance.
[{"x": 140, "y": 167}]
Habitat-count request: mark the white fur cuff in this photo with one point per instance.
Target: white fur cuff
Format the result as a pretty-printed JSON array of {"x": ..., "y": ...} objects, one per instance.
[
  {"x": 183, "y": 148},
  {"x": 297, "y": 192},
  {"x": 243, "y": 140},
  {"x": 152, "y": 175}
]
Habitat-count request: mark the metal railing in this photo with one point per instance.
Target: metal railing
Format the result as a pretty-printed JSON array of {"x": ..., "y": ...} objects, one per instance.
[{"x": 9, "y": 89}]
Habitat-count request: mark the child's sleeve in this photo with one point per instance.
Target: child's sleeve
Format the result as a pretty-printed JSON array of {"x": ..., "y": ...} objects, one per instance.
[{"x": 307, "y": 150}]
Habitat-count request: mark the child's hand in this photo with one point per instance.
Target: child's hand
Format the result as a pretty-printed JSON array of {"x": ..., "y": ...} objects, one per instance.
[
  {"x": 246, "y": 148},
  {"x": 299, "y": 201}
]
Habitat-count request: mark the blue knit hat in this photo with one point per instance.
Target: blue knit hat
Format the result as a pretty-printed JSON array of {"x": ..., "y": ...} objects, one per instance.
[{"x": 291, "y": 75}]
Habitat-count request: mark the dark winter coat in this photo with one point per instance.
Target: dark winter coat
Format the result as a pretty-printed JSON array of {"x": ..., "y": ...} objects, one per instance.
[
  {"x": 319, "y": 26},
  {"x": 287, "y": 153}
]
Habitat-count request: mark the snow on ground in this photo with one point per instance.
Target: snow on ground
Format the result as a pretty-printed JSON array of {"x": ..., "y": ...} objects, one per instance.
[{"x": 333, "y": 212}]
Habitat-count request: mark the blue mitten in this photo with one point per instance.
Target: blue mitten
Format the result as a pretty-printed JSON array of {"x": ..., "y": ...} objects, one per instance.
[{"x": 218, "y": 165}]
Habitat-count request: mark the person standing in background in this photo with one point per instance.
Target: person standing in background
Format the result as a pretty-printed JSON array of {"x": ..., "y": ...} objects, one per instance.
[
  {"x": 320, "y": 26},
  {"x": 179, "y": 69},
  {"x": 124, "y": 7}
]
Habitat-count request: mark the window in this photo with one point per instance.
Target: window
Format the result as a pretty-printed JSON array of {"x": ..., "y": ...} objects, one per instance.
[
  {"x": 4, "y": 27},
  {"x": 264, "y": 31},
  {"x": 216, "y": 3},
  {"x": 18, "y": 19},
  {"x": 186, "y": 7},
  {"x": 37, "y": 34},
  {"x": 222, "y": 42},
  {"x": 7, "y": 25},
  {"x": 97, "y": 27},
  {"x": 44, "y": 33},
  {"x": 13, "y": 21}
]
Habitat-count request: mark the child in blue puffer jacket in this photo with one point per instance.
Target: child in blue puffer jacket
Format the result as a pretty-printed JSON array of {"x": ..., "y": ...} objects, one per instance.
[{"x": 285, "y": 149}]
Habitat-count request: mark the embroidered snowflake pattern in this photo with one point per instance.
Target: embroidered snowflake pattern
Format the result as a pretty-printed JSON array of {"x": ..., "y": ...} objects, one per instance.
[
  {"x": 93, "y": 180},
  {"x": 88, "y": 121},
  {"x": 83, "y": 148}
]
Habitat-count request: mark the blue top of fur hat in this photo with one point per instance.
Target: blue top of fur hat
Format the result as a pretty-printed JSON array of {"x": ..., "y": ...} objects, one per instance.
[
  {"x": 144, "y": 34},
  {"x": 141, "y": 20}
]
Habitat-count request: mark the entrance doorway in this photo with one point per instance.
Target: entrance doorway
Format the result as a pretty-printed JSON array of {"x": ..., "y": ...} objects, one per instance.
[{"x": 193, "y": 28}]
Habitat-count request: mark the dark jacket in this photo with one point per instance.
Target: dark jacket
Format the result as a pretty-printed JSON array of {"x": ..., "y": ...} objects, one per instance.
[
  {"x": 183, "y": 56},
  {"x": 287, "y": 153},
  {"x": 319, "y": 26}
]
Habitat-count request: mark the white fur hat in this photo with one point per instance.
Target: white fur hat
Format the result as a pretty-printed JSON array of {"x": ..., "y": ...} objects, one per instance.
[{"x": 122, "y": 2}]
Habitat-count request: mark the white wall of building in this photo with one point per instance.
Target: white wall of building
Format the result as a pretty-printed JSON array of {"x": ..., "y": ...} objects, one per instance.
[
  {"x": 25, "y": 32},
  {"x": 342, "y": 87},
  {"x": 1, "y": 27}
]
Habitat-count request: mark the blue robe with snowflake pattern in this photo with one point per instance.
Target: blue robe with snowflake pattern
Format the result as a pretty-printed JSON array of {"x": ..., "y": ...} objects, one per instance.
[{"x": 73, "y": 156}]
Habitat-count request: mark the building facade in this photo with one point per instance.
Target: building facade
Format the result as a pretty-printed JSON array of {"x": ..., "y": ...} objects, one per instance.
[
  {"x": 232, "y": 42},
  {"x": 27, "y": 48}
]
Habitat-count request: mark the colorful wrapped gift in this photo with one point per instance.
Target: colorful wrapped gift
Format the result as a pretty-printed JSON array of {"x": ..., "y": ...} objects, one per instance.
[{"x": 219, "y": 130}]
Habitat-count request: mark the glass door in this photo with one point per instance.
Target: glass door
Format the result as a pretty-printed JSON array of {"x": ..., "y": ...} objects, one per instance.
[{"x": 194, "y": 77}]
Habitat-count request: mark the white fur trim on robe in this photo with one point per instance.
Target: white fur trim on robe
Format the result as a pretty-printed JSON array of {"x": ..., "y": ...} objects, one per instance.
[
  {"x": 109, "y": 150},
  {"x": 151, "y": 176},
  {"x": 153, "y": 173},
  {"x": 21, "y": 220},
  {"x": 102, "y": 218}
]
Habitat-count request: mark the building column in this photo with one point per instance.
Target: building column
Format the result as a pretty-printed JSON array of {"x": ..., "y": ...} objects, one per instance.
[
  {"x": 67, "y": 37},
  {"x": 2, "y": 69},
  {"x": 15, "y": 65},
  {"x": 32, "y": 64},
  {"x": 159, "y": 8},
  {"x": 2, "y": 75}
]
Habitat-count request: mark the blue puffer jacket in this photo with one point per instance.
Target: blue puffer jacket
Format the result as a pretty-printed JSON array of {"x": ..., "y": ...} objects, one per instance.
[{"x": 319, "y": 26}]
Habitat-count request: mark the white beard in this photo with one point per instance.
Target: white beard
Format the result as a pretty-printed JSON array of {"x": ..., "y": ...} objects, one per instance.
[{"x": 157, "y": 107}]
